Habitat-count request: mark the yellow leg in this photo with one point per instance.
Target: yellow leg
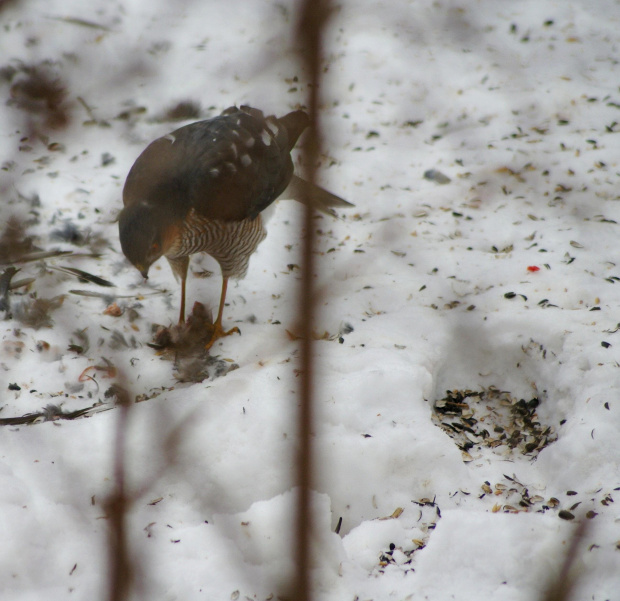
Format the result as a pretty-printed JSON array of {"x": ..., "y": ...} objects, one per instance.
[
  {"x": 220, "y": 312},
  {"x": 218, "y": 330},
  {"x": 179, "y": 267},
  {"x": 182, "y": 311}
]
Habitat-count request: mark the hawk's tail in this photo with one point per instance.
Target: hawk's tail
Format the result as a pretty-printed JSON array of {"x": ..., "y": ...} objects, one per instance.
[{"x": 315, "y": 196}]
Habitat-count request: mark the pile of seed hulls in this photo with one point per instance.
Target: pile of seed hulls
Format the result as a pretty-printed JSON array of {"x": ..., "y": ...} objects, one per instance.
[{"x": 494, "y": 419}]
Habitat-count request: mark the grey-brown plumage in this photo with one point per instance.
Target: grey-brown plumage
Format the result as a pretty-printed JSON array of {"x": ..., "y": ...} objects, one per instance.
[{"x": 202, "y": 188}]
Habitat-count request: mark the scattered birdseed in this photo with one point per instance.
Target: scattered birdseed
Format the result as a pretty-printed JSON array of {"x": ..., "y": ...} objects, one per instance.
[
  {"x": 402, "y": 557},
  {"x": 492, "y": 419},
  {"x": 436, "y": 176}
]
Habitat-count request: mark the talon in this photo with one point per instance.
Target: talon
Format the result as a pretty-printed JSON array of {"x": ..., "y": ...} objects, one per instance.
[{"x": 219, "y": 332}]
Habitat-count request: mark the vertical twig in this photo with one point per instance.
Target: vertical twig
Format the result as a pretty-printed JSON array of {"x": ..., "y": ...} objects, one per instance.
[
  {"x": 561, "y": 588},
  {"x": 117, "y": 506},
  {"x": 310, "y": 27},
  {"x": 126, "y": 569}
]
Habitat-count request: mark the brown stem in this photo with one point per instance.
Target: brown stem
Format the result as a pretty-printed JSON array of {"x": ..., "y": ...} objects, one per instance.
[
  {"x": 119, "y": 562},
  {"x": 313, "y": 17}
]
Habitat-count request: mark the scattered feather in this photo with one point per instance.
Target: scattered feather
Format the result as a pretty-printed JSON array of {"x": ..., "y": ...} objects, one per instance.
[
  {"x": 36, "y": 313},
  {"x": 83, "y": 276},
  {"x": 5, "y": 287},
  {"x": 14, "y": 243}
]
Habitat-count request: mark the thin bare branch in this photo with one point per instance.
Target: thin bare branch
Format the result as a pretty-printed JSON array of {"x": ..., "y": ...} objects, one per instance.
[
  {"x": 117, "y": 506},
  {"x": 312, "y": 20},
  {"x": 562, "y": 588}
]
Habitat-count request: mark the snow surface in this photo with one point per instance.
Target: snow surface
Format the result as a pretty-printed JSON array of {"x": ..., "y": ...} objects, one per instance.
[{"x": 518, "y": 104}]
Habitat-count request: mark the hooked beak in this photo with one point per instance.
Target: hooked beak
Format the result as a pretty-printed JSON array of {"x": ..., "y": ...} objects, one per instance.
[{"x": 144, "y": 271}]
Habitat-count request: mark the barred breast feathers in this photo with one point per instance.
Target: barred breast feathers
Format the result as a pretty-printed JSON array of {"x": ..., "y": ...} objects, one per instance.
[{"x": 230, "y": 243}]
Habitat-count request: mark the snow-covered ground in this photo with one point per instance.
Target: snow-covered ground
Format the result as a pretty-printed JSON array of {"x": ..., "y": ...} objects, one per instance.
[{"x": 494, "y": 277}]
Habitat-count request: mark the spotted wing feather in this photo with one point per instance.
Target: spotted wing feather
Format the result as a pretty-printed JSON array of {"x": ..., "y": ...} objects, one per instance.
[{"x": 229, "y": 168}]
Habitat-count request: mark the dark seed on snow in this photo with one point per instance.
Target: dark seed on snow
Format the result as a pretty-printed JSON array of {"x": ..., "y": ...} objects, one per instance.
[
  {"x": 565, "y": 515},
  {"x": 436, "y": 176},
  {"x": 346, "y": 328},
  {"x": 339, "y": 525}
]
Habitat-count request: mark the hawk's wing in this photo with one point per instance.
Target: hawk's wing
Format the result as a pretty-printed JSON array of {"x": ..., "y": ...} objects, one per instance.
[{"x": 230, "y": 167}]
